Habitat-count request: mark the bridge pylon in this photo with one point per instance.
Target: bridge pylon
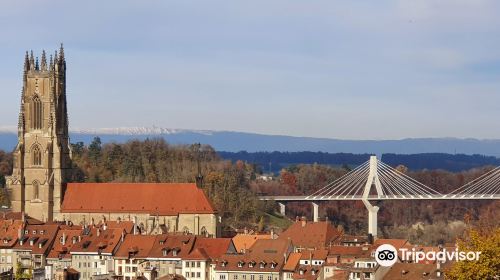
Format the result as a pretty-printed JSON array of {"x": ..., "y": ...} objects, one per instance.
[{"x": 373, "y": 179}]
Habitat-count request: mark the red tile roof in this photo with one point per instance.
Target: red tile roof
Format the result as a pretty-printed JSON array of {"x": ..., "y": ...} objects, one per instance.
[
  {"x": 37, "y": 238},
  {"x": 318, "y": 254},
  {"x": 292, "y": 262},
  {"x": 9, "y": 232},
  {"x": 136, "y": 246},
  {"x": 214, "y": 247},
  {"x": 153, "y": 198},
  {"x": 197, "y": 254},
  {"x": 60, "y": 250},
  {"x": 165, "y": 245},
  {"x": 413, "y": 271},
  {"x": 397, "y": 243},
  {"x": 269, "y": 252},
  {"x": 308, "y": 272},
  {"x": 313, "y": 235},
  {"x": 98, "y": 241},
  {"x": 358, "y": 251},
  {"x": 244, "y": 241}
]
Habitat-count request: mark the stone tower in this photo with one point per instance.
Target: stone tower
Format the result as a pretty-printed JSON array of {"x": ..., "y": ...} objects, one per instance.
[{"x": 42, "y": 158}]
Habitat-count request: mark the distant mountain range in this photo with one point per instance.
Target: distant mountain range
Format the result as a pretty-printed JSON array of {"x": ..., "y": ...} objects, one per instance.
[{"x": 231, "y": 141}]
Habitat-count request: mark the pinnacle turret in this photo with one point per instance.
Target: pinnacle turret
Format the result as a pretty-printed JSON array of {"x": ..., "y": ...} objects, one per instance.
[
  {"x": 44, "y": 61},
  {"x": 32, "y": 61},
  {"x": 61, "y": 53},
  {"x": 26, "y": 62}
]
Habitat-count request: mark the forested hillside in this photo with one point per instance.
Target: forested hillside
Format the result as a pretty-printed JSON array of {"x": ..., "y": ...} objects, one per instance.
[
  {"x": 275, "y": 161},
  {"x": 232, "y": 186}
]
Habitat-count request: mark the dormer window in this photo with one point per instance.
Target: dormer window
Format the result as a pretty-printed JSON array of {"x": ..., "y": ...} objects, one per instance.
[
  {"x": 273, "y": 264},
  {"x": 26, "y": 232},
  {"x": 5, "y": 241},
  {"x": 241, "y": 263},
  {"x": 165, "y": 251},
  {"x": 175, "y": 251},
  {"x": 251, "y": 264},
  {"x": 223, "y": 263},
  {"x": 301, "y": 272},
  {"x": 313, "y": 272},
  {"x": 42, "y": 231},
  {"x": 262, "y": 264},
  {"x": 34, "y": 231}
]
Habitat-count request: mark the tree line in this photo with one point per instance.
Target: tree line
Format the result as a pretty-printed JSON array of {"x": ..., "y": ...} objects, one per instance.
[{"x": 273, "y": 162}]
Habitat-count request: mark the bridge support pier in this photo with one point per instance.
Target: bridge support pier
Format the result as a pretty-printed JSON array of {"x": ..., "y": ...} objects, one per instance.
[
  {"x": 282, "y": 208},
  {"x": 315, "y": 211},
  {"x": 372, "y": 217}
]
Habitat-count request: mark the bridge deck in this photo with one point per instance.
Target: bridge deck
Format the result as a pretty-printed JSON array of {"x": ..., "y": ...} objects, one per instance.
[{"x": 375, "y": 197}]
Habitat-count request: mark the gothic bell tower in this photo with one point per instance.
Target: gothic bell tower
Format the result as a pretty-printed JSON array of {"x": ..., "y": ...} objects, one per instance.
[{"x": 42, "y": 158}]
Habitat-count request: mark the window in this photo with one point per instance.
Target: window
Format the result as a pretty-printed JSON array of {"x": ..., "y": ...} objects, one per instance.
[
  {"x": 235, "y": 277},
  {"x": 204, "y": 231},
  {"x": 36, "y": 113},
  {"x": 36, "y": 156},
  {"x": 192, "y": 264},
  {"x": 252, "y": 277},
  {"x": 269, "y": 277},
  {"x": 222, "y": 277},
  {"x": 198, "y": 264},
  {"x": 198, "y": 274},
  {"x": 261, "y": 277},
  {"x": 187, "y": 264}
]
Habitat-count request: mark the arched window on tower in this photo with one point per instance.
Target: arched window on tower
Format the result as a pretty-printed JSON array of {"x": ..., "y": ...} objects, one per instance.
[
  {"x": 36, "y": 156},
  {"x": 35, "y": 189},
  {"x": 36, "y": 113}
]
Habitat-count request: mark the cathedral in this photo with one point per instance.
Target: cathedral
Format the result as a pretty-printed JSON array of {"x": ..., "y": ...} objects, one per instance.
[
  {"x": 42, "y": 157},
  {"x": 40, "y": 184}
]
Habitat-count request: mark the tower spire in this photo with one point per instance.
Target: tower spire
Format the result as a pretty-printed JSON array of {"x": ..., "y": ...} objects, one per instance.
[
  {"x": 51, "y": 63},
  {"x": 61, "y": 52},
  {"x": 44, "y": 61},
  {"x": 37, "y": 66},
  {"x": 32, "y": 61},
  {"x": 26, "y": 63}
]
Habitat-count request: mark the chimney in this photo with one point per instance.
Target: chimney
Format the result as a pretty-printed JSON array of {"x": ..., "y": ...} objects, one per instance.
[
  {"x": 20, "y": 233},
  {"x": 98, "y": 233},
  {"x": 104, "y": 227},
  {"x": 79, "y": 238},
  {"x": 285, "y": 257},
  {"x": 23, "y": 218},
  {"x": 304, "y": 221},
  {"x": 438, "y": 269},
  {"x": 123, "y": 236},
  {"x": 370, "y": 238},
  {"x": 272, "y": 233},
  {"x": 135, "y": 226},
  {"x": 63, "y": 241}
]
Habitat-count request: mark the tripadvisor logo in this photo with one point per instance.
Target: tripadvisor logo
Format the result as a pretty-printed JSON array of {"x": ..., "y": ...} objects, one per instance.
[{"x": 387, "y": 255}]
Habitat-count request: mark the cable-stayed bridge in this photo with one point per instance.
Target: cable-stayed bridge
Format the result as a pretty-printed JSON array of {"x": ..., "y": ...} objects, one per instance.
[{"x": 375, "y": 180}]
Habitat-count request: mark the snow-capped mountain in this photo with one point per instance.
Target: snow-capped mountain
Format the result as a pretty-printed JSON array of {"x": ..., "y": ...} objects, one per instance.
[{"x": 232, "y": 141}]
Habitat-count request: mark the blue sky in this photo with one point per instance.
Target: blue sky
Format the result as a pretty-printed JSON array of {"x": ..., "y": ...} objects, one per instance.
[{"x": 337, "y": 69}]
